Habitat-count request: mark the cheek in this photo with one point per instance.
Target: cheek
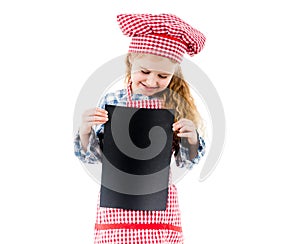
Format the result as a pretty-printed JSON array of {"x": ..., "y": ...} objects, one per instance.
[
  {"x": 137, "y": 76},
  {"x": 164, "y": 83}
]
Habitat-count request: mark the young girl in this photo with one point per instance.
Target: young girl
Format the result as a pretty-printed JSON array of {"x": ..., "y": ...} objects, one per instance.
[{"x": 153, "y": 80}]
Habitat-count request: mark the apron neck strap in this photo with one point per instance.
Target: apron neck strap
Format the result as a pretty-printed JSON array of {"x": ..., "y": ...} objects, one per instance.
[{"x": 129, "y": 94}]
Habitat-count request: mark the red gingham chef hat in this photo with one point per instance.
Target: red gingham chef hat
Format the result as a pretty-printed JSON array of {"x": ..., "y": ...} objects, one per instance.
[{"x": 162, "y": 34}]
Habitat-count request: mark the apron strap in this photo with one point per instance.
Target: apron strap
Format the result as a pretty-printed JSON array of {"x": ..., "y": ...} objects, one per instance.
[{"x": 129, "y": 98}]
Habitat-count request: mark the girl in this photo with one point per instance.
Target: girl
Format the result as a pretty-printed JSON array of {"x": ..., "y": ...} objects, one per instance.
[{"x": 153, "y": 80}]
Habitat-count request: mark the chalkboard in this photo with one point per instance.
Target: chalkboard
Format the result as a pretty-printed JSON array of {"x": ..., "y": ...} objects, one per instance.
[{"x": 137, "y": 149}]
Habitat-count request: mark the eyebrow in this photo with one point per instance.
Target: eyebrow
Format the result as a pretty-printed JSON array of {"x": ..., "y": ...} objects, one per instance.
[{"x": 161, "y": 73}]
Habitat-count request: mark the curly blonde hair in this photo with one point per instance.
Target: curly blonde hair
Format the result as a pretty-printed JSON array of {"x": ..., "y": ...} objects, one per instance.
[{"x": 177, "y": 96}]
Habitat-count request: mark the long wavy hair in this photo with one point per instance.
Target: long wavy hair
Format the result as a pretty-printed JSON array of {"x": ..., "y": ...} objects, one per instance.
[{"x": 177, "y": 96}]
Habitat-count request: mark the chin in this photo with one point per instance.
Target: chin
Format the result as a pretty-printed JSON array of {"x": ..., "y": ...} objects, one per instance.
[{"x": 146, "y": 93}]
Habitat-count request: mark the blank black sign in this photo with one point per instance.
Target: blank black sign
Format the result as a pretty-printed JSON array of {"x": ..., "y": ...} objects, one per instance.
[{"x": 137, "y": 149}]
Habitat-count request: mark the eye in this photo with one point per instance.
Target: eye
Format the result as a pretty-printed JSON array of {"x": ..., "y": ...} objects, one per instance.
[
  {"x": 162, "y": 76},
  {"x": 145, "y": 72}
]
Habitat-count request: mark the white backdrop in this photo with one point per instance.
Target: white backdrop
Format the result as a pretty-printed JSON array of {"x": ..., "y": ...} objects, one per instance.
[{"x": 49, "y": 49}]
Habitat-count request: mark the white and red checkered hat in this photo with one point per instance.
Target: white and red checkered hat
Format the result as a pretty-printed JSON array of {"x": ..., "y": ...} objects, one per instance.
[{"x": 162, "y": 34}]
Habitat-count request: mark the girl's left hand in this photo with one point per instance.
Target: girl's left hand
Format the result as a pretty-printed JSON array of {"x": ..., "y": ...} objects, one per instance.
[{"x": 186, "y": 129}]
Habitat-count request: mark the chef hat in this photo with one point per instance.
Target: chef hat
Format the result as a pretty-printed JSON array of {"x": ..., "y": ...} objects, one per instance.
[{"x": 163, "y": 34}]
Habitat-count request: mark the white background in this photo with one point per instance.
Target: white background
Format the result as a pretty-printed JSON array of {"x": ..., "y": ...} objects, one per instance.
[{"x": 49, "y": 49}]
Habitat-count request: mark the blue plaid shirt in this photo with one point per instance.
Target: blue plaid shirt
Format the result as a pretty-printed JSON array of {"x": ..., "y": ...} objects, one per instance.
[{"x": 119, "y": 98}]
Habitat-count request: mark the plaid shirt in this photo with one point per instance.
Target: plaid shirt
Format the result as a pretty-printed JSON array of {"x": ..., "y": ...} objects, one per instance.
[{"x": 119, "y": 98}]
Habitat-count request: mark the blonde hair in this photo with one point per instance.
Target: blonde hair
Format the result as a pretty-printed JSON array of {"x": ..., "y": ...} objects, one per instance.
[{"x": 177, "y": 96}]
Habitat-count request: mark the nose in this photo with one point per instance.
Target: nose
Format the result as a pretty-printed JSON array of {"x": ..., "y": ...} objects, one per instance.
[{"x": 151, "y": 80}]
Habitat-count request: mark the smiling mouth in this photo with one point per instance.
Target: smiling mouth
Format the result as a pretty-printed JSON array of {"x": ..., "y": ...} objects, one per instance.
[{"x": 148, "y": 87}]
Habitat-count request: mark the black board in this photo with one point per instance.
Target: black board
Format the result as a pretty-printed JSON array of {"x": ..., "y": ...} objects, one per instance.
[{"x": 137, "y": 149}]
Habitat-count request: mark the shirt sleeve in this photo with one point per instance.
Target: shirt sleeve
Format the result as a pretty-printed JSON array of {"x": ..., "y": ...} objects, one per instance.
[
  {"x": 93, "y": 153},
  {"x": 183, "y": 157}
]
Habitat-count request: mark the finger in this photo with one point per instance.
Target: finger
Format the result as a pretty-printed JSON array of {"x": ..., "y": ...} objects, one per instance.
[
  {"x": 185, "y": 134},
  {"x": 99, "y": 114},
  {"x": 101, "y": 110},
  {"x": 94, "y": 118},
  {"x": 90, "y": 124},
  {"x": 177, "y": 125},
  {"x": 92, "y": 111},
  {"x": 186, "y": 128},
  {"x": 181, "y": 123},
  {"x": 97, "y": 119},
  {"x": 98, "y": 111},
  {"x": 184, "y": 120}
]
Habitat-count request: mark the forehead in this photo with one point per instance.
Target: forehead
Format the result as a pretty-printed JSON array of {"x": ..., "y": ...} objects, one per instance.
[{"x": 155, "y": 63}]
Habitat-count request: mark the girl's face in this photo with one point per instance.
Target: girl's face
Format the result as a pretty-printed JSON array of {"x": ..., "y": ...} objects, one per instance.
[{"x": 150, "y": 73}]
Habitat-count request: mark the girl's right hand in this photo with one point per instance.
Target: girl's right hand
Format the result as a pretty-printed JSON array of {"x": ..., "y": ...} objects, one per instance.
[{"x": 93, "y": 116}]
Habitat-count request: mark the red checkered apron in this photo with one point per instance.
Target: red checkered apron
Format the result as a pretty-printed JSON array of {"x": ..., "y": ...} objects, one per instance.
[{"x": 121, "y": 226}]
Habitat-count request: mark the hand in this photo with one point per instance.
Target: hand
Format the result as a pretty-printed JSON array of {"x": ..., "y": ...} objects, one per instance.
[
  {"x": 186, "y": 129},
  {"x": 93, "y": 116}
]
